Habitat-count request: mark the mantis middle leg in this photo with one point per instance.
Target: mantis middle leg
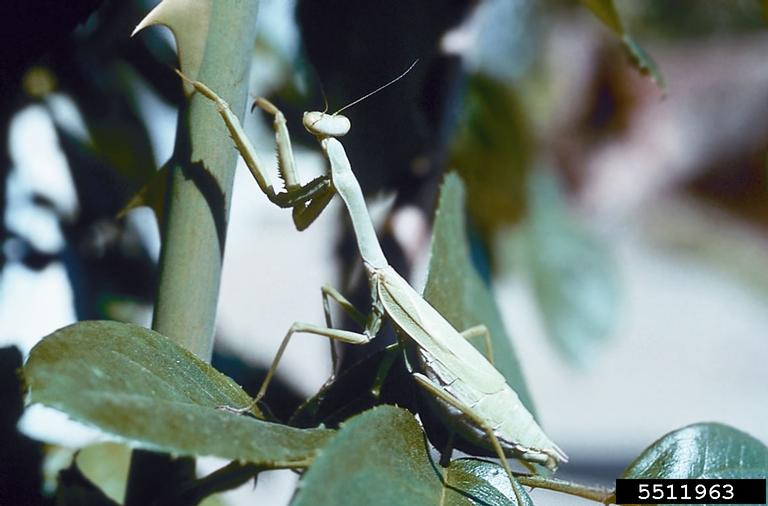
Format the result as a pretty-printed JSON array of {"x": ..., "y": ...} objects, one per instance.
[
  {"x": 386, "y": 365},
  {"x": 370, "y": 324},
  {"x": 328, "y": 293},
  {"x": 306, "y": 328},
  {"x": 481, "y": 331},
  {"x": 333, "y": 334}
]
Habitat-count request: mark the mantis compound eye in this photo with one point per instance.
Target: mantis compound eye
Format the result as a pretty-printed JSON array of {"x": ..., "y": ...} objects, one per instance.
[{"x": 321, "y": 124}]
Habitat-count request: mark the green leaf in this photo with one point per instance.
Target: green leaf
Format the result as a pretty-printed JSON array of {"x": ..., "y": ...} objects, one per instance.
[
  {"x": 152, "y": 195},
  {"x": 380, "y": 457},
  {"x": 491, "y": 152},
  {"x": 703, "y": 450},
  {"x": 605, "y": 11},
  {"x": 572, "y": 273},
  {"x": 118, "y": 138},
  {"x": 464, "y": 474},
  {"x": 643, "y": 61},
  {"x": 143, "y": 389},
  {"x": 456, "y": 290}
]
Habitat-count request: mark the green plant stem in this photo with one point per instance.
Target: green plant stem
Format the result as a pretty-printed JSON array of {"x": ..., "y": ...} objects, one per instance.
[
  {"x": 228, "y": 477},
  {"x": 194, "y": 226},
  {"x": 200, "y": 186},
  {"x": 593, "y": 493}
]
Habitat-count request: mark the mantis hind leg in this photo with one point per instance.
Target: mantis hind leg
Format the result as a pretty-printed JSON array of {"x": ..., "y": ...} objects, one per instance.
[
  {"x": 384, "y": 368},
  {"x": 298, "y": 327},
  {"x": 452, "y": 401},
  {"x": 481, "y": 331},
  {"x": 447, "y": 453}
]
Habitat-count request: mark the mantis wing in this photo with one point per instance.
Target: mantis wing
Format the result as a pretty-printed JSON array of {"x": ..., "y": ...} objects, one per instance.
[
  {"x": 466, "y": 375},
  {"x": 447, "y": 350}
]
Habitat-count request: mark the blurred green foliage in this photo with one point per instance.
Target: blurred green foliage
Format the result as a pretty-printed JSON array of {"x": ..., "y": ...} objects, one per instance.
[{"x": 572, "y": 272}]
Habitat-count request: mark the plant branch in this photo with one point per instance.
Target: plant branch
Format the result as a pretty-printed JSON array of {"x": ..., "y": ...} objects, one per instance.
[
  {"x": 194, "y": 226},
  {"x": 200, "y": 185},
  {"x": 228, "y": 477},
  {"x": 593, "y": 493}
]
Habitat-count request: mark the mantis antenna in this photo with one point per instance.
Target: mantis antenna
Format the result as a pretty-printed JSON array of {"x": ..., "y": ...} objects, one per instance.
[
  {"x": 325, "y": 97},
  {"x": 393, "y": 81}
]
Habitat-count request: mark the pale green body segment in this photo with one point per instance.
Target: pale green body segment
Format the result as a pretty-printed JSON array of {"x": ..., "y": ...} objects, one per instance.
[
  {"x": 471, "y": 396},
  {"x": 458, "y": 367},
  {"x": 346, "y": 185},
  {"x": 447, "y": 359}
]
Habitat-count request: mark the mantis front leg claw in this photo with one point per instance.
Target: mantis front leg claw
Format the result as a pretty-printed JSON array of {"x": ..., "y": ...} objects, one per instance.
[{"x": 297, "y": 196}]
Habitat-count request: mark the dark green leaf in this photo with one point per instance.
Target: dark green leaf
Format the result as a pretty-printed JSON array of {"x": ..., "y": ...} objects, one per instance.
[
  {"x": 152, "y": 195},
  {"x": 463, "y": 474},
  {"x": 456, "y": 290},
  {"x": 571, "y": 272},
  {"x": 118, "y": 136},
  {"x": 140, "y": 387},
  {"x": 380, "y": 458},
  {"x": 704, "y": 450}
]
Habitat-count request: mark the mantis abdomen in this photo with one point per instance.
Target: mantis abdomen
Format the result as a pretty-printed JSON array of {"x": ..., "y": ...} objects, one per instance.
[{"x": 450, "y": 362}]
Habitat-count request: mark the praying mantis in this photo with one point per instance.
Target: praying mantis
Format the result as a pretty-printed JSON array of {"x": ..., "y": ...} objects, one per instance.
[{"x": 469, "y": 395}]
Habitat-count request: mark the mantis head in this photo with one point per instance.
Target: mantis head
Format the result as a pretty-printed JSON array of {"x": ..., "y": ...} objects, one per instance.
[{"x": 322, "y": 125}]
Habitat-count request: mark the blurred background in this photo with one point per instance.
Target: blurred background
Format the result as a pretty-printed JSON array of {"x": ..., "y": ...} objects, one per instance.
[{"x": 623, "y": 223}]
